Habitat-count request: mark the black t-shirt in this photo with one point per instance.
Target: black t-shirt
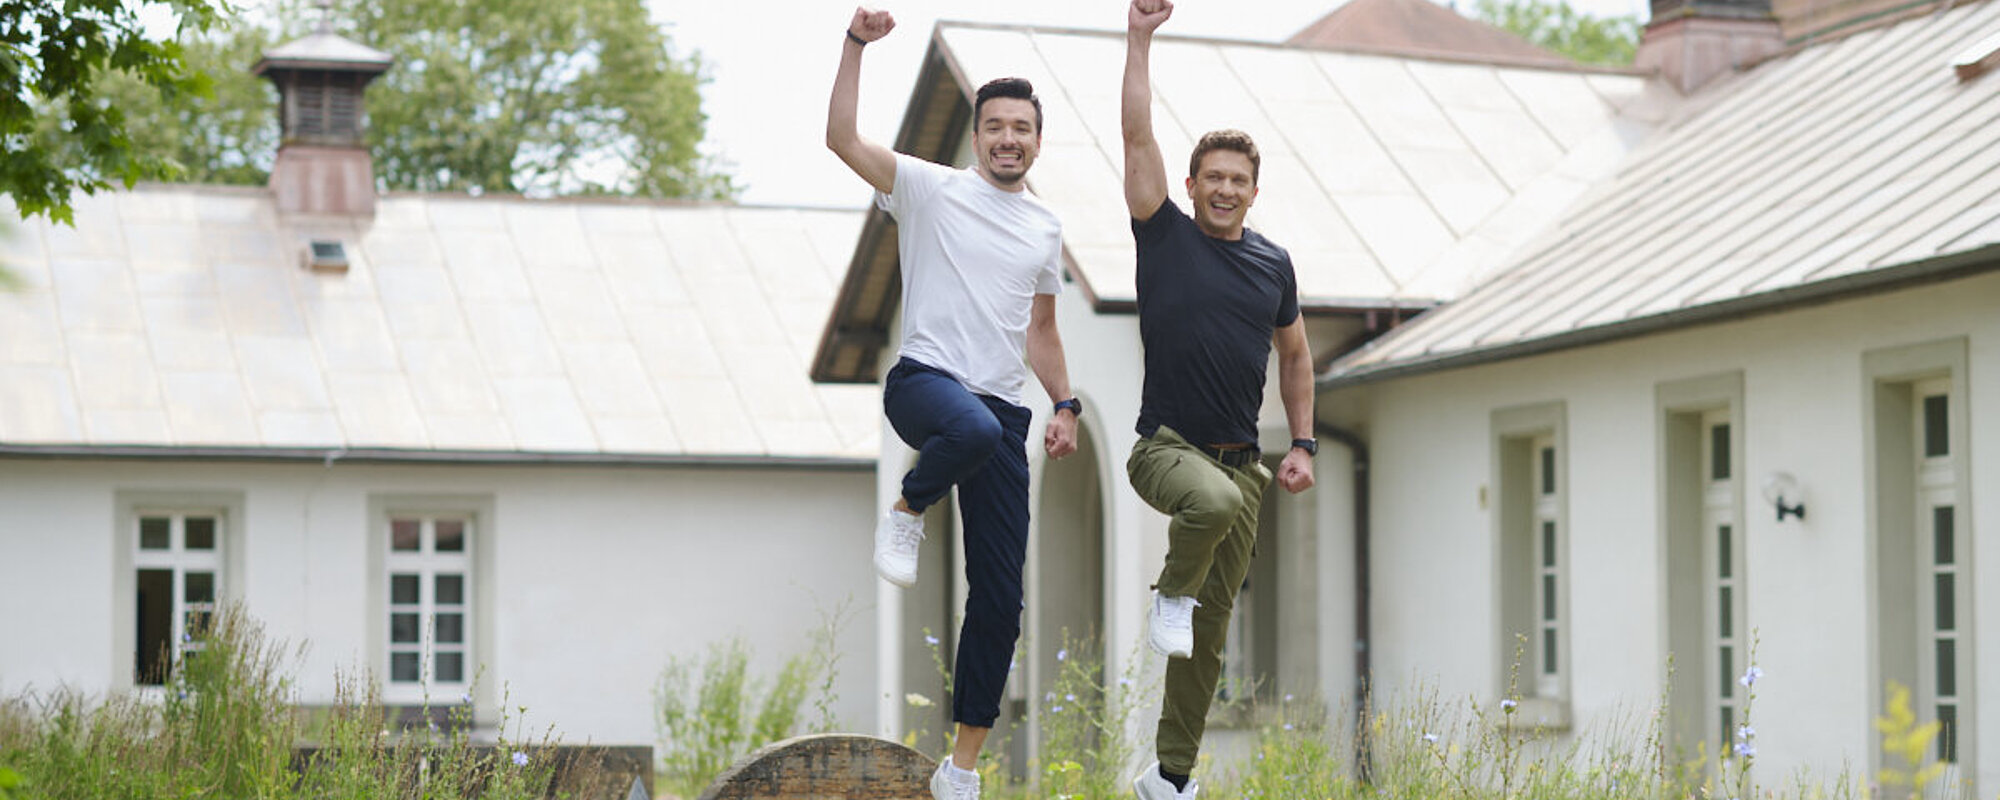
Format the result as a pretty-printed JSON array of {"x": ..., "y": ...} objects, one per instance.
[{"x": 1207, "y": 310}]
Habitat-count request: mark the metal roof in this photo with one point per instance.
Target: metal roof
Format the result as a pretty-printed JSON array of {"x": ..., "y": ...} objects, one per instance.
[
  {"x": 1848, "y": 165},
  {"x": 183, "y": 317},
  {"x": 1419, "y": 27},
  {"x": 1393, "y": 180}
]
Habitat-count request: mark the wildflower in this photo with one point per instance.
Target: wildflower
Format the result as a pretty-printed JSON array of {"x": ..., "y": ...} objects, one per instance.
[
  {"x": 1288, "y": 726},
  {"x": 520, "y": 759},
  {"x": 1124, "y": 681},
  {"x": 1508, "y": 705},
  {"x": 1746, "y": 732},
  {"x": 1288, "y": 698},
  {"x": 1431, "y": 737},
  {"x": 1751, "y": 675},
  {"x": 917, "y": 700},
  {"x": 1070, "y": 697},
  {"x": 1745, "y": 749},
  {"x": 1056, "y": 710},
  {"x": 465, "y": 698},
  {"x": 1062, "y": 654},
  {"x": 930, "y": 640}
]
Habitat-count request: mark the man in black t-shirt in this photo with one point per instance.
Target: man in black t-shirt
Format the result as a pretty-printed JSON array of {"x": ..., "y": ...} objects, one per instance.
[{"x": 1214, "y": 298}]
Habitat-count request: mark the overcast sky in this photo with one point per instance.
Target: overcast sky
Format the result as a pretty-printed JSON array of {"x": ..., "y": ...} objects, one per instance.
[{"x": 771, "y": 63}]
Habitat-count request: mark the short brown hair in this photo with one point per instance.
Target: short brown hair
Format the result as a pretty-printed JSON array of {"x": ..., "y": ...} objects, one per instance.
[{"x": 1227, "y": 139}]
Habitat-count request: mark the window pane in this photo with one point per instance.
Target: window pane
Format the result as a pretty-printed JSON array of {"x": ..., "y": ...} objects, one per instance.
[
  {"x": 403, "y": 589},
  {"x": 1728, "y": 724},
  {"x": 1548, "y": 470},
  {"x": 1548, "y": 544},
  {"x": 450, "y": 590},
  {"x": 1549, "y": 597},
  {"x": 1937, "y": 426},
  {"x": 1725, "y": 609},
  {"x": 199, "y": 587},
  {"x": 155, "y": 618},
  {"x": 1947, "y": 668},
  {"x": 451, "y": 628},
  {"x": 450, "y": 535},
  {"x": 1718, "y": 452},
  {"x": 154, "y": 534},
  {"x": 404, "y": 668},
  {"x": 1943, "y": 526},
  {"x": 1948, "y": 735},
  {"x": 1725, "y": 556},
  {"x": 1548, "y": 651},
  {"x": 200, "y": 533},
  {"x": 404, "y": 629},
  {"x": 405, "y": 535},
  {"x": 451, "y": 667},
  {"x": 197, "y": 625},
  {"x": 1728, "y": 682},
  {"x": 1947, "y": 602}
]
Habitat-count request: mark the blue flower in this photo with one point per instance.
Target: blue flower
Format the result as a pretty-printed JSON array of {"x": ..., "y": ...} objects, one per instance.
[
  {"x": 1288, "y": 726},
  {"x": 1746, "y": 732},
  {"x": 1508, "y": 705},
  {"x": 1062, "y": 654},
  {"x": 1070, "y": 697},
  {"x": 930, "y": 640},
  {"x": 520, "y": 759},
  {"x": 1431, "y": 737},
  {"x": 1751, "y": 675},
  {"x": 1746, "y": 749},
  {"x": 1057, "y": 709}
]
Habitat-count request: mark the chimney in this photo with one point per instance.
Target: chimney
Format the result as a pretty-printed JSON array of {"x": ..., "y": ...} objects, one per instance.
[
  {"x": 323, "y": 164},
  {"x": 1692, "y": 42}
]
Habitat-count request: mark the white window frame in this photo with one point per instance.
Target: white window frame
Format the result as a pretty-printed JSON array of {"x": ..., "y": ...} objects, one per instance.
[
  {"x": 1531, "y": 524},
  {"x": 180, "y": 561},
  {"x": 427, "y": 565},
  {"x": 1905, "y": 485},
  {"x": 1726, "y": 620}
]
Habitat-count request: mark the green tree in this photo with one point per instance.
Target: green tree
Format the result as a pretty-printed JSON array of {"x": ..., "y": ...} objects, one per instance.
[
  {"x": 228, "y": 135},
  {"x": 1552, "y": 24},
  {"x": 538, "y": 97},
  {"x": 54, "y": 55}
]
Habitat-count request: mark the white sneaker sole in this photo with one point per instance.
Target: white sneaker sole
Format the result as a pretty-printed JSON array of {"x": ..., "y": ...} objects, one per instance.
[{"x": 904, "y": 581}]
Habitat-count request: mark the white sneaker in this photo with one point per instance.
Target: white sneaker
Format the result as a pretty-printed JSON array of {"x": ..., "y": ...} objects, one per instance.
[
  {"x": 1172, "y": 626},
  {"x": 896, "y": 540},
  {"x": 1150, "y": 785},
  {"x": 945, "y": 785}
]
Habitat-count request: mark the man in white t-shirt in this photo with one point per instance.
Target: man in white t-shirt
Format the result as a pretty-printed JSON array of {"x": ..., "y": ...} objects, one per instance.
[{"x": 980, "y": 259}]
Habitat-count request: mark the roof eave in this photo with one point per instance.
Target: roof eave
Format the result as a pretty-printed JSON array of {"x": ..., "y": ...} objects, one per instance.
[
  {"x": 1948, "y": 267},
  {"x": 328, "y": 456}
]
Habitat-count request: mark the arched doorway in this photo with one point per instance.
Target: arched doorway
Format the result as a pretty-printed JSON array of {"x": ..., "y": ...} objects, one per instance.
[{"x": 1065, "y": 614}]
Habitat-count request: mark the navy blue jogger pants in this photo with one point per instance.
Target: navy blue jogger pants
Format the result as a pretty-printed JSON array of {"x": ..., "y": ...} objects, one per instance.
[{"x": 979, "y": 444}]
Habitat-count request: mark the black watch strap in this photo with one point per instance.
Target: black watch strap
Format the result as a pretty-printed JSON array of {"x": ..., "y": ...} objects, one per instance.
[
  {"x": 1311, "y": 446},
  {"x": 1074, "y": 405}
]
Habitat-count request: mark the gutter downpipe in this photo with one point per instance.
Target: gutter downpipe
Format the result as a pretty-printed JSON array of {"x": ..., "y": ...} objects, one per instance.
[{"x": 1363, "y": 748}]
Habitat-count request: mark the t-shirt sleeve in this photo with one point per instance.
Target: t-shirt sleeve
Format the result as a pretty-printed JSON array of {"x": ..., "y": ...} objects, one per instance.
[
  {"x": 1288, "y": 305},
  {"x": 1155, "y": 228},
  {"x": 916, "y": 181}
]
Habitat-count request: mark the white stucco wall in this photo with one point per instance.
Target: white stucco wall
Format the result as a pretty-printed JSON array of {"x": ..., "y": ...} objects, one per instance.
[
  {"x": 1808, "y": 590},
  {"x": 598, "y": 575}
]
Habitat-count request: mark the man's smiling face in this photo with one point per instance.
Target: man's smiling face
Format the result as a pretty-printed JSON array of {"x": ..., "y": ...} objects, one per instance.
[
  {"x": 1007, "y": 140},
  {"x": 1222, "y": 190}
]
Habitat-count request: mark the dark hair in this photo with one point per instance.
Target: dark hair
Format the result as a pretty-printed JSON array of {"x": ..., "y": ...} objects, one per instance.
[
  {"x": 1228, "y": 139},
  {"x": 1017, "y": 88}
]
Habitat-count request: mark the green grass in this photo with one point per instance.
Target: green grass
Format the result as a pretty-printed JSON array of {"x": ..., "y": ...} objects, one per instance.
[{"x": 226, "y": 725}]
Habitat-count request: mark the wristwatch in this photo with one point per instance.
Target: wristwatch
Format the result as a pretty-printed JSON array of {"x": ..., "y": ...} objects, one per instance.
[
  {"x": 1074, "y": 405},
  {"x": 1311, "y": 446}
]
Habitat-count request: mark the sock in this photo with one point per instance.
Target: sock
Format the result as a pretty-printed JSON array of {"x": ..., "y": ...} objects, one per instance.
[{"x": 1179, "y": 781}]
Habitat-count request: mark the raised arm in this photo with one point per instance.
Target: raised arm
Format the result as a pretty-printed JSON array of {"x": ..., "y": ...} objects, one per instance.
[
  {"x": 1295, "y": 388},
  {"x": 1145, "y": 169},
  {"x": 873, "y": 162}
]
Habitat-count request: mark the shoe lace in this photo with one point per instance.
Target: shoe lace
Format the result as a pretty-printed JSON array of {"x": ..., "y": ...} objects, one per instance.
[{"x": 906, "y": 535}]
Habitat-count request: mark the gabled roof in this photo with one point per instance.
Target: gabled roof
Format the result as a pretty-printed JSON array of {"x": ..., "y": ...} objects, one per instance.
[
  {"x": 1420, "y": 28},
  {"x": 181, "y": 319},
  {"x": 1393, "y": 180},
  {"x": 1846, "y": 167}
]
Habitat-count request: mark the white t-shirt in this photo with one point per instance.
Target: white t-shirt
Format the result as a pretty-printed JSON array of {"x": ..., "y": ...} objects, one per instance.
[{"x": 973, "y": 258}]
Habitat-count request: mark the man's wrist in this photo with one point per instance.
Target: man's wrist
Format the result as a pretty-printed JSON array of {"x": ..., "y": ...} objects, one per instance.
[
  {"x": 1072, "y": 405},
  {"x": 1308, "y": 444},
  {"x": 856, "y": 39}
]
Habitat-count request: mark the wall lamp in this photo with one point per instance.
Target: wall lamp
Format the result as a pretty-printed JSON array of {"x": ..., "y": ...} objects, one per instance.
[{"x": 1782, "y": 490}]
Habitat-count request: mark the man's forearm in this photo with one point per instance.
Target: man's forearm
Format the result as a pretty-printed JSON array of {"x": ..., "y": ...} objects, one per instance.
[
  {"x": 1295, "y": 387},
  {"x": 1136, "y": 97},
  {"x": 841, "y": 111},
  {"x": 1045, "y": 357}
]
